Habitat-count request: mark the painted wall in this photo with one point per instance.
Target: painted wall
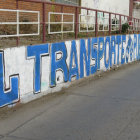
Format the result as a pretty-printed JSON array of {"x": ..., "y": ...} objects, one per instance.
[
  {"x": 29, "y": 72},
  {"x": 116, "y": 6}
]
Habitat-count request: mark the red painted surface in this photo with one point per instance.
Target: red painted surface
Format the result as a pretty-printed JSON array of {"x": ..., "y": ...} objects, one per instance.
[
  {"x": 131, "y": 8},
  {"x": 44, "y": 24}
]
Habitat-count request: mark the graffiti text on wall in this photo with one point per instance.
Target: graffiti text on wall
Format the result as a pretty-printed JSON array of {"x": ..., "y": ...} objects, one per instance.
[{"x": 82, "y": 58}]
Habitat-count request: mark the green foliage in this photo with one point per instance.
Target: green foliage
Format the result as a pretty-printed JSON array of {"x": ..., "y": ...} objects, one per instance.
[{"x": 125, "y": 27}]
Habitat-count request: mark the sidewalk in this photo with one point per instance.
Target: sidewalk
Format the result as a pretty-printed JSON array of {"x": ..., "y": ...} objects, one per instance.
[{"x": 103, "y": 108}]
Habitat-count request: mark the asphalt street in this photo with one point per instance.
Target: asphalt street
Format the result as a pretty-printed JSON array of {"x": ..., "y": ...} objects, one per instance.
[{"x": 106, "y": 107}]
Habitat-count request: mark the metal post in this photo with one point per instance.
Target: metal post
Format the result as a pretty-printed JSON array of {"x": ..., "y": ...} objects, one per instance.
[
  {"x": 109, "y": 23},
  {"x": 103, "y": 25},
  {"x": 128, "y": 24},
  {"x": 134, "y": 27},
  {"x": 62, "y": 26},
  {"x": 138, "y": 26},
  {"x": 76, "y": 22},
  {"x": 96, "y": 24},
  {"x": 120, "y": 24},
  {"x": 87, "y": 23},
  {"x": 17, "y": 39},
  {"x": 44, "y": 22}
]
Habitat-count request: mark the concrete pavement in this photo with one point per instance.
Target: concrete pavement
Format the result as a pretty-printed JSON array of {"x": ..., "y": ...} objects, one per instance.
[{"x": 105, "y": 108}]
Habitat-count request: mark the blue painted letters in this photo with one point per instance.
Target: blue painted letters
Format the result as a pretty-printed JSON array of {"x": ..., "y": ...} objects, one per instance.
[
  {"x": 94, "y": 55},
  {"x": 11, "y": 95},
  {"x": 36, "y": 52},
  {"x": 122, "y": 50},
  {"x": 84, "y": 54},
  {"x": 113, "y": 50},
  {"x": 100, "y": 50},
  {"x": 107, "y": 41},
  {"x": 118, "y": 41},
  {"x": 58, "y": 64},
  {"x": 73, "y": 68}
]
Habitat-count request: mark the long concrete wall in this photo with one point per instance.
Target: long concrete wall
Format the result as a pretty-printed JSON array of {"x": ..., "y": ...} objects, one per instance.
[{"x": 29, "y": 72}]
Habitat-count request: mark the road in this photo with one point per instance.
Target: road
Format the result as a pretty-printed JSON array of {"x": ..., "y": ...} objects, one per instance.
[{"x": 104, "y": 108}]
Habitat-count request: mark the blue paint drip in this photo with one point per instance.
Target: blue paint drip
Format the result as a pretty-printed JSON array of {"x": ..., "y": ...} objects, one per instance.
[
  {"x": 73, "y": 71},
  {"x": 122, "y": 50},
  {"x": 113, "y": 50},
  {"x": 58, "y": 64},
  {"x": 100, "y": 51},
  {"x": 11, "y": 96},
  {"x": 94, "y": 55},
  {"x": 84, "y": 54},
  {"x": 107, "y": 41},
  {"x": 118, "y": 41},
  {"x": 36, "y": 52}
]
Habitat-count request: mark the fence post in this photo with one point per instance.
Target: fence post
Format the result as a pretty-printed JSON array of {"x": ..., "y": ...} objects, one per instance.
[
  {"x": 62, "y": 26},
  {"x": 87, "y": 25},
  {"x": 44, "y": 22},
  {"x": 128, "y": 24},
  {"x": 134, "y": 27},
  {"x": 120, "y": 24},
  {"x": 96, "y": 24},
  {"x": 109, "y": 23},
  {"x": 76, "y": 22},
  {"x": 103, "y": 25},
  {"x": 138, "y": 26},
  {"x": 17, "y": 39}
]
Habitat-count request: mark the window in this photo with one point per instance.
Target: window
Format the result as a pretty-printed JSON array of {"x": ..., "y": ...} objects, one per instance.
[
  {"x": 86, "y": 23},
  {"x": 115, "y": 24},
  {"x": 60, "y": 23},
  {"x": 103, "y": 24},
  {"x": 19, "y": 23}
]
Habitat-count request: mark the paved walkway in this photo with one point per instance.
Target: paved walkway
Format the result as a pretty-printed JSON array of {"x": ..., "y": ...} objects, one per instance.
[{"x": 106, "y": 108}]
